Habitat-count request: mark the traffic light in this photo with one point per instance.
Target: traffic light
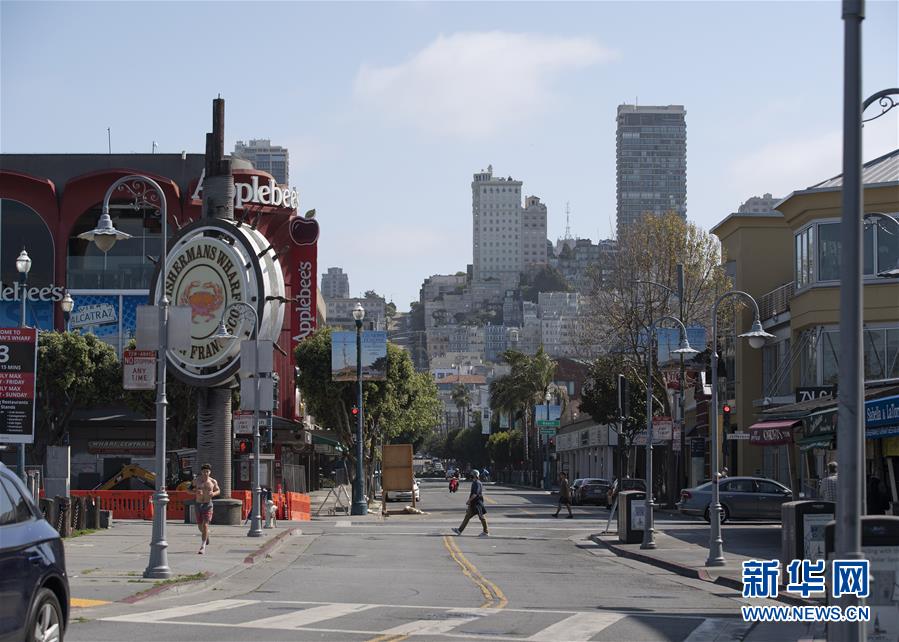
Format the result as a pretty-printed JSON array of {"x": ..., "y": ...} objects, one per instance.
[
  {"x": 355, "y": 410},
  {"x": 244, "y": 446},
  {"x": 725, "y": 415}
]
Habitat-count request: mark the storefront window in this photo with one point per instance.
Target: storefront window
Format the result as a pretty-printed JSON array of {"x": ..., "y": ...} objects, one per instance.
[
  {"x": 875, "y": 343},
  {"x": 892, "y": 353},
  {"x": 830, "y": 358},
  {"x": 880, "y": 349},
  {"x": 22, "y": 227},
  {"x": 127, "y": 265}
]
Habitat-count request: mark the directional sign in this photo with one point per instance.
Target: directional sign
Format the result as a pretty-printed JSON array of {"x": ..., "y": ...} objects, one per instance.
[
  {"x": 738, "y": 436},
  {"x": 18, "y": 376}
]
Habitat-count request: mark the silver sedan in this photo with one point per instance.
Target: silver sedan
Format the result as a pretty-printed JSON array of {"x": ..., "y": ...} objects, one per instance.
[{"x": 740, "y": 497}]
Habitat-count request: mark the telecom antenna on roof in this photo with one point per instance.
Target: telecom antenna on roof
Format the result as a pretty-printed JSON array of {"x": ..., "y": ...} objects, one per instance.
[{"x": 567, "y": 221}]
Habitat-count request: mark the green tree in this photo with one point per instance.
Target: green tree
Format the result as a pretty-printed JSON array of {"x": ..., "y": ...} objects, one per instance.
[
  {"x": 405, "y": 404},
  {"x": 545, "y": 279},
  {"x": 74, "y": 371},
  {"x": 599, "y": 398},
  {"x": 469, "y": 446},
  {"x": 462, "y": 399}
]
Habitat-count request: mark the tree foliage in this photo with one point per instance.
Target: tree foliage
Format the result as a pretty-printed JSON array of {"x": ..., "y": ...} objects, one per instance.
[
  {"x": 545, "y": 279},
  {"x": 505, "y": 448},
  {"x": 620, "y": 311},
  {"x": 74, "y": 371},
  {"x": 405, "y": 405}
]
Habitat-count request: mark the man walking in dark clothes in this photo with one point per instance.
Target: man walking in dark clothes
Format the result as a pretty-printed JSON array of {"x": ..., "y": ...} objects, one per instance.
[
  {"x": 564, "y": 495},
  {"x": 475, "y": 505}
]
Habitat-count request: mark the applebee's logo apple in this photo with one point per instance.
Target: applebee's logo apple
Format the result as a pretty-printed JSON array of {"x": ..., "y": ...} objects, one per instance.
[{"x": 304, "y": 230}]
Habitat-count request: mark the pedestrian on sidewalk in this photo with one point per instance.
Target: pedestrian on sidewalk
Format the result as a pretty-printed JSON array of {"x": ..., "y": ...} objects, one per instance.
[
  {"x": 475, "y": 505},
  {"x": 564, "y": 495},
  {"x": 205, "y": 488},
  {"x": 827, "y": 487}
]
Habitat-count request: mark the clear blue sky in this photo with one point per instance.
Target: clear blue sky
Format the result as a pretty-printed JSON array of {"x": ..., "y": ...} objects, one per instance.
[{"x": 389, "y": 108}]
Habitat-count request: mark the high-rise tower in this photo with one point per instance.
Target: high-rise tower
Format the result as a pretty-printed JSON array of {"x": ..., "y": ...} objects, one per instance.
[{"x": 651, "y": 161}]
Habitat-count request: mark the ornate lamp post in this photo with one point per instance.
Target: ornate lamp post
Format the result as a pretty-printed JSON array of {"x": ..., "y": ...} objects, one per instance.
[
  {"x": 223, "y": 337},
  {"x": 147, "y": 192},
  {"x": 360, "y": 506},
  {"x": 757, "y": 337},
  {"x": 683, "y": 349},
  {"x": 23, "y": 265},
  {"x": 67, "y": 304}
]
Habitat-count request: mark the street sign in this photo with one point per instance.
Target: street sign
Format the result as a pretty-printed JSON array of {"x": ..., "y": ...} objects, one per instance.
[
  {"x": 738, "y": 436},
  {"x": 139, "y": 369},
  {"x": 243, "y": 422},
  {"x": 18, "y": 378},
  {"x": 551, "y": 423}
]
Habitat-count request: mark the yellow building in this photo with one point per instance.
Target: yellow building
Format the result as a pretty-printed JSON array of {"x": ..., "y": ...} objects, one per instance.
[{"x": 788, "y": 260}]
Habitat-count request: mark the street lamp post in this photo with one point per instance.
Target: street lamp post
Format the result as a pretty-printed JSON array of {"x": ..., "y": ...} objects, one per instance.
[
  {"x": 360, "y": 506},
  {"x": 223, "y": 336},
  {"x": 23, "y": 265},
  {"x": 67, "y": 304},
  {"x": 546, "y": 481},
  {"x": 683, "y": 349},
  {"x": 147, "y": 192},
  {"x": 757, "y": 337}
]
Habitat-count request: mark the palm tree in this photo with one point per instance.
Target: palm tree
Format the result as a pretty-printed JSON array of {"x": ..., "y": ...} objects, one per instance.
[{"x": 461, "y": 398}]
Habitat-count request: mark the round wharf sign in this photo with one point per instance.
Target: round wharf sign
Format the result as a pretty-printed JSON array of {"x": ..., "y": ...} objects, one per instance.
[{"x": 210, "y": 265}]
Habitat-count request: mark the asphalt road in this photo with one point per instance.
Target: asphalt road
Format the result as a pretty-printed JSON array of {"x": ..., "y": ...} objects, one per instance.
[{"x": 408, "y": 577}]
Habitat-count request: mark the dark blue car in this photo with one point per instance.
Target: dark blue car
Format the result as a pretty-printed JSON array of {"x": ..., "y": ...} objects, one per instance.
[{"x": 34, "y": 589}]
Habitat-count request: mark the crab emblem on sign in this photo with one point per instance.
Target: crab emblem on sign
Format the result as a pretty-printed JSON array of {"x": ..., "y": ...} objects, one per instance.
[{"x": 204, "y": 299}]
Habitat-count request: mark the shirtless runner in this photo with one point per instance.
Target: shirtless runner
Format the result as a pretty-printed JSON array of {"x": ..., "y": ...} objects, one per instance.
[{"x": 205, "y": 488}]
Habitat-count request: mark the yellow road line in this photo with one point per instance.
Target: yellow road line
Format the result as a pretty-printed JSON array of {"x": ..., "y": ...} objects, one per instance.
[
  {"x": 82, "y": 602},
  {"x": 389, "y": 638},
  {"x": 493, "y": 596}
]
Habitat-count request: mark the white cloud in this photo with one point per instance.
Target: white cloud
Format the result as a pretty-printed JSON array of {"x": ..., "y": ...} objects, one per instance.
[
  {"x": 474, "y": 84},
  {"x": 789, "y": 165}
]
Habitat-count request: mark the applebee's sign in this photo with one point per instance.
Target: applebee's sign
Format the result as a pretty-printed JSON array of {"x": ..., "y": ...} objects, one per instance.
[{"x": 266, "y": 194}]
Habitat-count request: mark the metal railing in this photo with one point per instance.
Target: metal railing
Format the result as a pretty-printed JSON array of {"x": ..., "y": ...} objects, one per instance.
[{"x": 777, "y": 301}]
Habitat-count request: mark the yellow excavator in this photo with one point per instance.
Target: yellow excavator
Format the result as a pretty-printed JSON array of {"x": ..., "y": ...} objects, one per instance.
[{"x": 179, "y": 468}]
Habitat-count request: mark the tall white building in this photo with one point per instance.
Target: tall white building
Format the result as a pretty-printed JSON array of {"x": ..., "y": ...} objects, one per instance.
[
  {"x": 335, "y": 284},
  {"x": 506, "y": 237},
  {"x": 273, "y": 159}
]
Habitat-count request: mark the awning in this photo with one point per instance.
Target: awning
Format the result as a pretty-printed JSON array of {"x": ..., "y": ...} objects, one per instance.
[
  {"x": 327, "y": 444},
  {"x": 772, "y": 433}
]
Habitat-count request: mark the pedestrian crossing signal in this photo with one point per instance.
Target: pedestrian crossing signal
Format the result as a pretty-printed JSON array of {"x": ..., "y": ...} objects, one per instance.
[{"x": 244, "y": 446}]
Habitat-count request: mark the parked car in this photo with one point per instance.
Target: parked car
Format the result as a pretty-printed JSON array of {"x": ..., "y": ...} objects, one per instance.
[
  {"x": 740, "y": 497},
  {"x": 406, "y": 495},
  {"x": 593, "y": 491},
  {"x": 574, "y": 486},
  {"x": 34, "y": 588},
  {"x": 627, "y": 483}
]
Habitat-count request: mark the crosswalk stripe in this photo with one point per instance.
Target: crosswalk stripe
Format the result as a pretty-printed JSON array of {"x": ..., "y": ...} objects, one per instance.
[
  {"x": 578, "y": 627},
  {"x": 713, "y": 629},
  {"x": 180, "y": 611},
  {"x": 458, "y": 617},
  {"x": 304, "y": 617}
]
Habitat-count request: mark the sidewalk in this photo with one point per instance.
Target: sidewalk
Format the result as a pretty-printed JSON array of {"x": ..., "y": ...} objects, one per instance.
[
  {"x": 687, "y": 559},
  {"x": 108, "y": 565}
]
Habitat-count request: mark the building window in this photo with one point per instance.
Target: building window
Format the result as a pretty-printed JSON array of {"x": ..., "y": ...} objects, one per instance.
[{"x": 817, "y": 252}]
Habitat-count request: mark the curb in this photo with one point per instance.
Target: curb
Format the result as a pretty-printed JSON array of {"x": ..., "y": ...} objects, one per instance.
[
  {"x": 156, "y": 590},
  {"x": 269, "y": 545},
  {"x": 693, "y": 573}
]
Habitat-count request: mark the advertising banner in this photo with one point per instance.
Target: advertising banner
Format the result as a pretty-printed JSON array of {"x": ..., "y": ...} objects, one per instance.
[
  {"x": 374, "y": 356},
  {"x": 18, "y": 376}
]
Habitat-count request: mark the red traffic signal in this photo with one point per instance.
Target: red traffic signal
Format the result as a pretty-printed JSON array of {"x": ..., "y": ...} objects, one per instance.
[
  {"x": 244, "y": 446},
  {"x": 355, "y": 411},
  {"x": 726, "y": 409}
]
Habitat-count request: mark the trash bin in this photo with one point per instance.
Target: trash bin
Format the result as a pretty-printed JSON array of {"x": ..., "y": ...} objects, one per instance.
[
  {"x": 880, "y": 546},
  {"x": 802, "y": 536},
  {"x": 631, "y": 516}
]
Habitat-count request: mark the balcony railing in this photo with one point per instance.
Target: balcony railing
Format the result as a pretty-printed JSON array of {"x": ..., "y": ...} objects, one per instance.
[{"x": 777, "y": 301}]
